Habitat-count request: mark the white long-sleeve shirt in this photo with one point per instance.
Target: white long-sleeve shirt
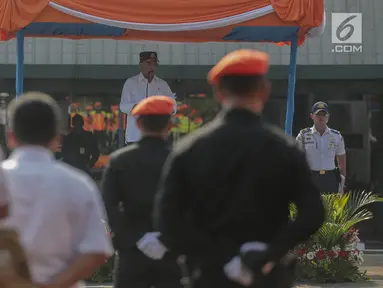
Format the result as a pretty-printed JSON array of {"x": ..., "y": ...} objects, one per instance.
[
  {"x": 56, "y": 210},
  {"x": 136, "y": 89}
]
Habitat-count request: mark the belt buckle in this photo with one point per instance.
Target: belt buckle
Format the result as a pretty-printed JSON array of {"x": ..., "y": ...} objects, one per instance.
[{"x": 322, "y": 172}]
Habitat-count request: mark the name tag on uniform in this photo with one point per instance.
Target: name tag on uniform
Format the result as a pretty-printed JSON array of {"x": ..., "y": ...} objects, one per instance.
[
  {"x": 310, "y": 144},
  {"x": 82, "y": 150}
]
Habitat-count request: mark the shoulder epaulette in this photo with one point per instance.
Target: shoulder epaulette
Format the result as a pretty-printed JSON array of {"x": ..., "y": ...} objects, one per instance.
[
  {"x": 306, "y": 130},
  {"x": 335, "y": 131}
]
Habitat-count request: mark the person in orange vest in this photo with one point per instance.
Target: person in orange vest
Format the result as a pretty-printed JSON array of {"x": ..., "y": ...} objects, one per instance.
[
  {"x": 99, "y": 117},
  {"x": 75, "y": 109},
  {"x": 88, "y": 120},
  {"x": 125, "y": 120},
  {"x": 175, "y": 130},
  {"x": 186, "y": 119},
  {"x": 99, "y": 121},
  {"x": 112, "y": 124}
]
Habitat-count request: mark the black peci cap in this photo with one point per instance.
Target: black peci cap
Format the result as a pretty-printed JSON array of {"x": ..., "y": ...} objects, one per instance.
[{"x": 148, "y": 56}]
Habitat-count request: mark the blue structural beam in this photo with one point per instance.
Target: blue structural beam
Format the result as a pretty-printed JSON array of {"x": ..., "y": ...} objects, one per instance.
[
  {"x": 19, "y": 63},
  {"x": 262, "y": 33},
  {"x": 73, "y": 29},
  {"x": 291, "y": 86}
]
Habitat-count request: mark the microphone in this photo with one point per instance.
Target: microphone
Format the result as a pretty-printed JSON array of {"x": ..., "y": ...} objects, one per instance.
[{"x": 150, "y": 75}]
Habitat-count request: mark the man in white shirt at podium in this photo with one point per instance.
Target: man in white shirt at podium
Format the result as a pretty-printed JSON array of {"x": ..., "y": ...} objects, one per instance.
[{"x": 139, "y": 87}]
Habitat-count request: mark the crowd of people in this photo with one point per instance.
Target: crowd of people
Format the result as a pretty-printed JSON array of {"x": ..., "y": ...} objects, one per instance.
[
  {"x": 97, "y": 132},
  {"x": 195, "y": 211},
  {"x": 102, "y": 121}
]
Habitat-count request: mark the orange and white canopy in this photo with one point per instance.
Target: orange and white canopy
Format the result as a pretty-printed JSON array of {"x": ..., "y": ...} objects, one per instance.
[{"x": 165, "y": 20}]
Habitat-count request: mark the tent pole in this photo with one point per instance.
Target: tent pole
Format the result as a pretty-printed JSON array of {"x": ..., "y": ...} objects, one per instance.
[
  {"x": 19, "y": 63},
  {"x": 291, "y": 86}
]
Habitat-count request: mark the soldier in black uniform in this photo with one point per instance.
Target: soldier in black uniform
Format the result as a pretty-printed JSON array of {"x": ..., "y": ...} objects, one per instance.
[
  {"x": 80, "y": 148},
  {"x": 129, "y": 185},
  {"x": 231, "y": 182}
]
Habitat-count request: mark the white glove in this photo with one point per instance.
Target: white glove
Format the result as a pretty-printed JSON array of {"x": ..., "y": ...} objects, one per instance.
[
  {"x": 341, "y": 184},
  {"x": 236, "y": 271},
  {"x": 151, "y": 246}
]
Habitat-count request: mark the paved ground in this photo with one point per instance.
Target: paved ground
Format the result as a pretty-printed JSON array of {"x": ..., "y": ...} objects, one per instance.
[{"x": 372, "y": 263}]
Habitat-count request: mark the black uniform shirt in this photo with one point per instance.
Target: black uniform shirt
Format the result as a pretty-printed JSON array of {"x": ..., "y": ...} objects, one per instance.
[
  {"x": 80, "y": 149},
  {"x": 131, "y": 179},
  {"x": 230, "y": 183}
]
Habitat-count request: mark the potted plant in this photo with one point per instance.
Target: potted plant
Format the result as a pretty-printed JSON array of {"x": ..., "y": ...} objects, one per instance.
[{"x": 332, "y": 254}]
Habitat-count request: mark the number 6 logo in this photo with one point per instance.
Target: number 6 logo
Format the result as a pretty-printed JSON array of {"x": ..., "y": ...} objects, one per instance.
[
  {"x": 343, "y": 26},
  {"x": 346, "y": 28}
]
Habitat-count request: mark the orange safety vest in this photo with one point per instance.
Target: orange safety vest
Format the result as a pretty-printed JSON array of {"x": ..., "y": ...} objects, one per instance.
[
  {"x": 109, "y": 117},
  {"x": 113, "y": 120},
  {"x": 117, "y": 117},
  {"x": 88, "y": 121},
  {"x": 125, "y": 121},
  {"x": 98, "y": 120}
]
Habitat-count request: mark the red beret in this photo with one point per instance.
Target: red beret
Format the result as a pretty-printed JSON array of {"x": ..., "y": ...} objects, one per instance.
[
  {"x": 154, "y": 105},
  {"x": 240, "y": 62}
]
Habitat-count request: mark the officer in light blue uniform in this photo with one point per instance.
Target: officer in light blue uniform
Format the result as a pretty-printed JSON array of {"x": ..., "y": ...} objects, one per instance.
[{"x": 322, "y": 145}]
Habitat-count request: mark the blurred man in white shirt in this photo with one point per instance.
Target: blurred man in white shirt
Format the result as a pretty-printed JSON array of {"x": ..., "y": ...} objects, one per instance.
[
  {"x": 139, "y": 87},
  {"x": 56, "y": 209}
]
